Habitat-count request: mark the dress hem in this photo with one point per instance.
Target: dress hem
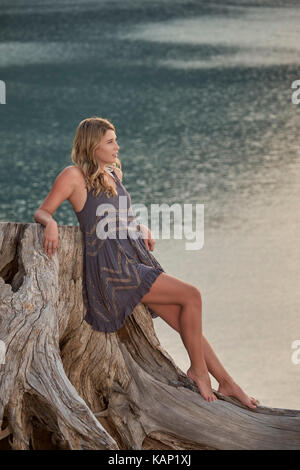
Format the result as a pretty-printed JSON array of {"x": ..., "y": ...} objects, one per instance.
[{"x": 144, "y": 289}]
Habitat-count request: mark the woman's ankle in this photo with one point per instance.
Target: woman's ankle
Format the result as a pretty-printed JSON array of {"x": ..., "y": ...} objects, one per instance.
[
  {"x": 199, "y": 370},
  {"x": 227, "y": 380}
]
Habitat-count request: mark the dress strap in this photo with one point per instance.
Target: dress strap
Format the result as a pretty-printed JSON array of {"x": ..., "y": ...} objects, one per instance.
[
  {"x": 109, "y": 171},
  {"x": 112, "y": 172}
]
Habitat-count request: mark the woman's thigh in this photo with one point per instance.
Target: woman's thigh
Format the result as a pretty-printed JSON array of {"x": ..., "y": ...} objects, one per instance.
[{"x": 167, "y": 289}]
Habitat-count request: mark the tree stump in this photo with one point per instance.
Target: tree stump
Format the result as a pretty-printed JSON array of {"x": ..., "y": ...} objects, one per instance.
[{"x": 65, "y": 386}]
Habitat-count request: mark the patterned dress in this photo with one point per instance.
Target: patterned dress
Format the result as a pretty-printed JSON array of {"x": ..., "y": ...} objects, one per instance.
[{"x": 118, "y": 270}]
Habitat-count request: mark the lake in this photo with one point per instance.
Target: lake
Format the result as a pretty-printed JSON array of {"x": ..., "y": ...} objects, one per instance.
[{"x": 200, "y": 95}]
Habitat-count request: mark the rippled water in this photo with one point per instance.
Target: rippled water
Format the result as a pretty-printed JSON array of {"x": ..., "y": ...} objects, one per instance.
[{"x": 201, "y": 99}]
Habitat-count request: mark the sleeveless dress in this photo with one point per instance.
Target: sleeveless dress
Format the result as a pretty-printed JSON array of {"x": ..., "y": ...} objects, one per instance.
[{"x": 117, "y": 271}]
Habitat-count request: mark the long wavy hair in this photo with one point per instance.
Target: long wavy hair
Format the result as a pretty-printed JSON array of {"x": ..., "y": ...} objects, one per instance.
[{"x": 88, "y": 135}]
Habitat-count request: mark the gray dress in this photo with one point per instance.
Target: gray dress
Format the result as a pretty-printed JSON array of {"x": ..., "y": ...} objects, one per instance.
[{"x": 117, "y": 272}]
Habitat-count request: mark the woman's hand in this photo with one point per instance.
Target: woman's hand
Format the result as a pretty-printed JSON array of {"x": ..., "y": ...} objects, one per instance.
[
  {"x": 147, "y": 237},
  {"x": 50, "y": 241}
]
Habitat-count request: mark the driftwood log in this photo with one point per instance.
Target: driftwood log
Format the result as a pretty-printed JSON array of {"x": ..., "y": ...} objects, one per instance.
[{"x": 65, "y": 386}]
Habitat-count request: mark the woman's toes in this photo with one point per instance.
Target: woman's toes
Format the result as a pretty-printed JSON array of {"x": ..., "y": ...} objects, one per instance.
[
  {"x": 254, "y": 401},
  {"x": 252, "y": 405}
]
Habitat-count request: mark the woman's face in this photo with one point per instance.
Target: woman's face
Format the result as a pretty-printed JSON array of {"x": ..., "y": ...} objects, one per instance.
[{"x": 107, "y": 150}]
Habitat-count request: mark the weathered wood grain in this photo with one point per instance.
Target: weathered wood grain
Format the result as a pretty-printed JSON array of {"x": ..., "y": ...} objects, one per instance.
[{"x": 65, "y": 386}]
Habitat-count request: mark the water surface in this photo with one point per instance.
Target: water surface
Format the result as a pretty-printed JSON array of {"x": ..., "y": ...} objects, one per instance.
[{"x": 200, "y": 94}]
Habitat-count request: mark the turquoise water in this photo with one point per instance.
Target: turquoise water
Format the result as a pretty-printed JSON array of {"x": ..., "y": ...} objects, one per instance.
[{"x": 201, "y": 99}]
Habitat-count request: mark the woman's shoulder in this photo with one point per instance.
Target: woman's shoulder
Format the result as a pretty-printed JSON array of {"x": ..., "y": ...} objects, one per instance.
[
  {"x": 74, "y": 176},
  {"x": 73, "y": 171}
]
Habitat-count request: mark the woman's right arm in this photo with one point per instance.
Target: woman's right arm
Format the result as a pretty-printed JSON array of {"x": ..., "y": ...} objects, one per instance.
[{"x": 62, "y": 189}]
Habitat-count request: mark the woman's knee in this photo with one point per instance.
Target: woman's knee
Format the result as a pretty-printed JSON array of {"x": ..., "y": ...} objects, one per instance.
[
  {"x": 170, "y": 290},
  {"x": 194, "y": 295}
]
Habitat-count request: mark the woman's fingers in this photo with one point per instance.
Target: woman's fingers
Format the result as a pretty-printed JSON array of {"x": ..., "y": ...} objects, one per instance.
[
  {"x": 49, "y": 247},
  {"x": 50, "y": 238},
  {"x": 151, "y": 244}
]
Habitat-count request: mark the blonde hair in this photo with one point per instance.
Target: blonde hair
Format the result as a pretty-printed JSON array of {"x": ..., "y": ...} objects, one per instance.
[{"x": 89, "y": 133}]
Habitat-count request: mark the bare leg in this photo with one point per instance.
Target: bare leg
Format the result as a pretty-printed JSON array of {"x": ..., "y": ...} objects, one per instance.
[
  {"x": 167, "y": 288},
  {"x": 227, "y": 386},
  {"x": 191, "y": 334}
]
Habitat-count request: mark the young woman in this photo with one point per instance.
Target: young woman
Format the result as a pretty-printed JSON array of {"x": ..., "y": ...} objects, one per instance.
[{"x": 119, "y": 272}]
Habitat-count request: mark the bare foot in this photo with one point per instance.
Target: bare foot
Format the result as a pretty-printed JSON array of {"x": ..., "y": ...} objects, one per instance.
[
  {"x": 232, "y": 389},
  {"x": 202, "y": 381}
]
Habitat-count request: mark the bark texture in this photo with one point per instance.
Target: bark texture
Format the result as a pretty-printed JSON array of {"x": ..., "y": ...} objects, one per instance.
[{"x": 65, "y": 386}]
